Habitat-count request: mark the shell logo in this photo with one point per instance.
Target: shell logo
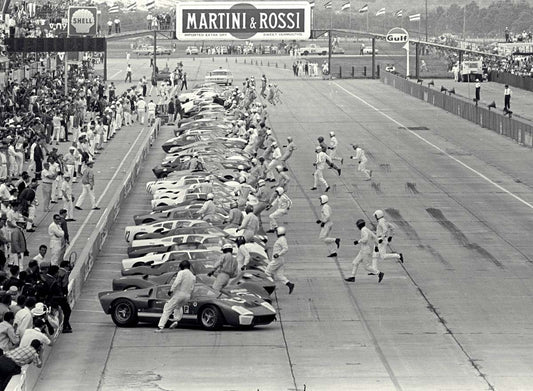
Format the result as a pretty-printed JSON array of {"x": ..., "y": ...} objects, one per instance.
[{"x": 82, "y": 20}]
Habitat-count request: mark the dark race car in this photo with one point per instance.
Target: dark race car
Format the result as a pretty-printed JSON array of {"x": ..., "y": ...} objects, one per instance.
[
  {"x": 208, "y": 308},
  {"x": 134, "y": 252},
  {"x": 254, "y": 281}
]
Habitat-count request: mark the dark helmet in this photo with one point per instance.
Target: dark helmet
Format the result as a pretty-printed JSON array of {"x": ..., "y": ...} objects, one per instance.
[
  {"x": 360, "y": 223},
  {"x": 249, "y": 209},
  {"x": 320, "y": 139},
  {"x": 240, "y": 240}
]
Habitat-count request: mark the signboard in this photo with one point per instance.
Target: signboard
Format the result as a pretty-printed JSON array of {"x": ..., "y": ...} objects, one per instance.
[
  {"x": 76, "y": 44},
  {"x": 257, "y": 20},
  {"x": 397, "y": 35},
  {"x": 82, "y": 21}
]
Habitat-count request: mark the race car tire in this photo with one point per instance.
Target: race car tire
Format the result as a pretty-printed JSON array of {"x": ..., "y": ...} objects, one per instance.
[
  {"x": 124, "y": 313},
  {"x": 211, "y": 318}
]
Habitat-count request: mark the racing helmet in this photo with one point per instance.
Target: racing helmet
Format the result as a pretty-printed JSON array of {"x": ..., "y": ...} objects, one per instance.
[
  {"x": 318, "y": 148},
  {"x": 240, "y": 167},
  {"x": 323, "y": 199},
  {"x": 378, "y": 214},
  {"x": 279, "y": 167},
  {"x": 289, "y": 138},
  {"x": 280, "y": 190},
  {"x": 240, "y": 240},
  {"x": 242, "y": 179},
  {"x": 320, "y": 139},
  {"x": 210, "y": 196},
  {"x": 281, "y": 231},
  {"x": 331, "y": 134},
  {"x": 360, "y": 223},
  {"x": 249, "y": 209},
  {"x": 261, "y": 182},
  {"x": 227, "y": 248}
]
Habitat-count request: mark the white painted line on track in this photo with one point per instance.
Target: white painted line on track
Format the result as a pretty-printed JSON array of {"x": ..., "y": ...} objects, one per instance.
[
  {"x": 80, "y": 230},
  {"x": 115, "y": 74},
  {"x": 437, "y": 148}
]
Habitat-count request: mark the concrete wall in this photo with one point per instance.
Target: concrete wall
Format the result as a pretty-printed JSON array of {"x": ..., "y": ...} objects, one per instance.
[{"x": 519, "y": 130}]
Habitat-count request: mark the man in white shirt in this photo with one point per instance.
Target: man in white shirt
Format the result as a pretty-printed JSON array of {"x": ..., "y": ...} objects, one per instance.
[
  {"x": 151, "y": 111},
  {"x": 24, "y": 318},
  {"x": 8, "y": 337},
  {"x": 35, "y": 333},
  {"x": 66, "y": 191},
  {"x": 360, "y": 156},
  {"x": 57, "y": 236},
  {"x": 320, "y": 165},
  {"x": 180, "y": 293},
  {"x": 141, "y": 110}
]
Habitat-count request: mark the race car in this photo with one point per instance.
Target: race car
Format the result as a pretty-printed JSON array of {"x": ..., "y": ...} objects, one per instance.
[
  {"x": 133, "y": 231},
  {"x": 207, "y": 307},
  {"x": 186, "y": 180},
  {"x": 150, "y": 263},
  {"x": 138, "y": 248},
  {"x": 180, "y": 212},
  {"x": 254, "y": 281}
]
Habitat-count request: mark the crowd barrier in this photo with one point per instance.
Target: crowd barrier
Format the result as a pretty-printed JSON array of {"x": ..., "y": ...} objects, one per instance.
[
  {"x": 522, "y": 82},
  {"x": 519, "y": 130},
  {"x": 28, "y": 378}
]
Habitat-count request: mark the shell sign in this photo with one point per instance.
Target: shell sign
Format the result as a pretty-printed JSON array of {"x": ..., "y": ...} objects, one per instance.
[
  {"x": 82, "y": 21},
  {"x": 259, "y": 20}
]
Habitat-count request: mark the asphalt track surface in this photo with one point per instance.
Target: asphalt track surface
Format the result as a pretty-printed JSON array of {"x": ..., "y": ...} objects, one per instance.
[{"x": 455, "y": 316}]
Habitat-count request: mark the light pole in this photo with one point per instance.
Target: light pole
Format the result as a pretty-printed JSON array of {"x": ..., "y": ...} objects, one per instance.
[{"x": 426, "y": 20}]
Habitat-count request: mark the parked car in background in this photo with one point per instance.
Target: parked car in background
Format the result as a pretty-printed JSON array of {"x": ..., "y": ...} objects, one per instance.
[
  {"x": 220, "y": 76},
  {"x": 337, "y": 50},
  {"x": 191, "y": 50},
  {"x": 368, "y": 50}
]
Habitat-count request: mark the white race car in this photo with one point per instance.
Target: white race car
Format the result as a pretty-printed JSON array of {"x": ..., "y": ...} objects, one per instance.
[
  {"x": 132, "y": 231},
  {"x": 159, "y": 258},
  {"x": 209, "y": 241},
  {"x": 185, "y": 180}
]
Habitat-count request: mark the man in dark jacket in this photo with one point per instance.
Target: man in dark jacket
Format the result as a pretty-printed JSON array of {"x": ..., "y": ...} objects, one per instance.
[{"x": 27, "y": 206}]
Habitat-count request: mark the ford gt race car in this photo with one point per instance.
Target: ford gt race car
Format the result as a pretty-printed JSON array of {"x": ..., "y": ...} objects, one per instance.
[
  {"x": 207, "y": 307},
  {"x": 254, "y": 281},
  {"x": 133, "y": 232}
]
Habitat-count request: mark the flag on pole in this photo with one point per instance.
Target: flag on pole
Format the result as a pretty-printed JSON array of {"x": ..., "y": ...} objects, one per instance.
[
  {"x": 328, "y": 5},
  {"x": 399, "y": 13},
  {"x": 363, "y": 9},
  {"x": 346, "y": 6},
  {"x": 381, "y": 12},
  {"x": 414, "y": 18},
  {"x": 150, "y": 4},
  {"x": 113, "y": 9},
  {"x": 131, "y": 7},
  {"x": 312, "y": 3}
]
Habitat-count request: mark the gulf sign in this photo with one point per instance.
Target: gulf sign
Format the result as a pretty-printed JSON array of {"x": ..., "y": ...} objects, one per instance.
[
  {"x": 397, "y": 35},
  {"x": 250, "y": 21}
]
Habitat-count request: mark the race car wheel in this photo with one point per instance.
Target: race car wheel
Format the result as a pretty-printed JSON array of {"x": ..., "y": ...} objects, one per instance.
[
  {"x": 124, "y": 313},
  {"x": 210, "y": 318}
]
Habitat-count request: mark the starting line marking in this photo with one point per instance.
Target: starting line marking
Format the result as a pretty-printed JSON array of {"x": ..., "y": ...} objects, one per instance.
[{"x": 438, "y": 148}]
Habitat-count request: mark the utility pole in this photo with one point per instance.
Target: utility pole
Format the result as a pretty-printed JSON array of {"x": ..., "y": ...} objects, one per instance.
[
  {"x": 330, "y": 44},
  {"x": 154, "y": 74},
  {"x": 426, "y": 20}
]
